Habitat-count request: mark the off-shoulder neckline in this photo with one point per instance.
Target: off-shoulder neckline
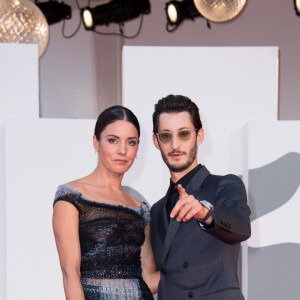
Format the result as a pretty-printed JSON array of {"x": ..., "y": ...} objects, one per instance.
[{"x": 101, "y": 202}]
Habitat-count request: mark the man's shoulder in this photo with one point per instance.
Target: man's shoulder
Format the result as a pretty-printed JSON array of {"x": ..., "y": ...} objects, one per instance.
[
  {"x": 224, "y": 178},
  {"x": 156, "y": 204}
]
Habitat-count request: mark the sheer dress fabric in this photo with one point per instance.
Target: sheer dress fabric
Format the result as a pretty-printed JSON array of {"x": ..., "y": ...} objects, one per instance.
[{"x": 111, "y": 237}]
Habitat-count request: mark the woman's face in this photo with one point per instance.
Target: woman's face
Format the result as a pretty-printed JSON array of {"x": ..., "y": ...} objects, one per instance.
[{"x": 117, "y": 147}]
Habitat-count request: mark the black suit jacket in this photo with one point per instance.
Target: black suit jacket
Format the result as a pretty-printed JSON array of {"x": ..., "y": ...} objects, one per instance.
[{"x": 198, "y": 263}]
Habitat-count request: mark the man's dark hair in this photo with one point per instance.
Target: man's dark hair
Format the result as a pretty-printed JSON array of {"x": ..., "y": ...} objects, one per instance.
[{"x": 176, "y": 104}]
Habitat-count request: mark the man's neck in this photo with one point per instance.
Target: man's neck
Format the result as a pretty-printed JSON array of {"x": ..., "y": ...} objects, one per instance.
[{"x": 175, "y": 176}]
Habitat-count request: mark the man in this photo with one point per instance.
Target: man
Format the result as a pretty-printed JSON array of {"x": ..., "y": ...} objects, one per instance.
[{"x": 197, "y": 228}]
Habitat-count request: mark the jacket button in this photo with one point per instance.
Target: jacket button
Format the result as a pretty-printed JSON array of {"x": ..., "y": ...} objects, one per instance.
[
  {"x": 190, "y": 294},
  {"x": 185, "y": 264},
  {"x": 164, "y": 271}
]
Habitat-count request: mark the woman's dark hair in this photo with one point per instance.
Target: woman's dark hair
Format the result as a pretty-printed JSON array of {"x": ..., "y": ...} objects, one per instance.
[
  {"x": 176, "y": 104},
  {"x": 113, "y": 114}
]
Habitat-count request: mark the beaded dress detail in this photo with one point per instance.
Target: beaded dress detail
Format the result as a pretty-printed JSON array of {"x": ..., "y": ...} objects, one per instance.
[{"x": 111, "y": 237}]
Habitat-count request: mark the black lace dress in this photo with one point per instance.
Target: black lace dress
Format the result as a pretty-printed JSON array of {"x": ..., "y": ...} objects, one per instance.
[{"x": 111, "y": 237}]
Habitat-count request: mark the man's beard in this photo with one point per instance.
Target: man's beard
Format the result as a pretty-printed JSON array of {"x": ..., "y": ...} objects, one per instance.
[{"x": 180, "y": 168}]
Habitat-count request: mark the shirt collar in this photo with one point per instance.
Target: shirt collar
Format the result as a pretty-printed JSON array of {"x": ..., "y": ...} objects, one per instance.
[{"x": 185, "y": 179}]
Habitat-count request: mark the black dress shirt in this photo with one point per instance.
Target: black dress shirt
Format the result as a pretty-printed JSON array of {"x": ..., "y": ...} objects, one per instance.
[{"x": 174, "y": 195}]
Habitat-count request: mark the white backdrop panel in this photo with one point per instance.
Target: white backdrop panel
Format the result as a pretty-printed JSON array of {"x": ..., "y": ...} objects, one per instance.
[
  {"x": 19, "y": 97},
  {"x": 40, "y": 155},
  {"x": 281, "y": 140},
  {"x": 274, "y": 199},
  {"x": 230, "y": 85},
  {"x": 19, "y": 93},
  {"x": 275, "y": 140},
  {"x": 2, "y": 217}
]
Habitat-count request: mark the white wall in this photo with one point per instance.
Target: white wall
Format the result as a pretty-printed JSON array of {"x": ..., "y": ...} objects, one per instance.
[
  {"x": 274, "y": 199},
  {"x": 52, "y": 152},
  {"x": 282, "y": 140},
  {"x": 18, "y": 98},
  {"x": 2, "y": 218}
]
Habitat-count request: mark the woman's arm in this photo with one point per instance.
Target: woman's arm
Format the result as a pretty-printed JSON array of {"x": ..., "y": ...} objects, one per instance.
[
  {"x": 150, "y": 274},
  {"x": 65, "y": 226}
]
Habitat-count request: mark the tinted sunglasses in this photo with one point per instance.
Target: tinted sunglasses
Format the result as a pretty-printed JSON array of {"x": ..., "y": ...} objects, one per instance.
[{"x": 166, "y": 136}]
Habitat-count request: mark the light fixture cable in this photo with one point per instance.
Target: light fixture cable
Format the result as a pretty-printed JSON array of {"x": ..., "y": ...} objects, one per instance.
[{"x": 78, "y": 27}]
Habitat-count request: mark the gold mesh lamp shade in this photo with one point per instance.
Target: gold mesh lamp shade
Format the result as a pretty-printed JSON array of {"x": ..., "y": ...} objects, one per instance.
[
  {"x": 219, "y": 10},
  {"x": 22, "y": 22}
]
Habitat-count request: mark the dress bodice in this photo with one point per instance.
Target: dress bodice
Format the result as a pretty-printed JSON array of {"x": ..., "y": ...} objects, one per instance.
[{"x": 110, "y": 235}]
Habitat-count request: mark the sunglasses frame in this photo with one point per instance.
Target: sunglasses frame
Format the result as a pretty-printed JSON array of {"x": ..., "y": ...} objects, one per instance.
[{"x": 187, "y": 129}]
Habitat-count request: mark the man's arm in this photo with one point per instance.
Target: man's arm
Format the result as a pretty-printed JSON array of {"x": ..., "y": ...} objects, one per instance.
[
  {"x": 231, "y": 212},
  {"x": 230, "y": 219}
]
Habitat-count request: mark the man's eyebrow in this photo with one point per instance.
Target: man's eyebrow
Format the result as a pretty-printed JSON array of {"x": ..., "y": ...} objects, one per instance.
[{"x": 168, "y": 130}]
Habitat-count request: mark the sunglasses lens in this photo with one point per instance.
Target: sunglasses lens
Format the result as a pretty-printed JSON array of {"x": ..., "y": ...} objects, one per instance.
[
  {"x": 184, "y": 135},
  {"x": 165, "y": 137}
]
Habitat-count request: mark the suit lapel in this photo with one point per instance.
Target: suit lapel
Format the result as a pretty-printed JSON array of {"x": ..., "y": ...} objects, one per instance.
[
  {"x": 194, "y": 185},
  {"x": 193, "y": 188},
  {"x": 162, "y": 218},
  {"x": 172, "y": 229}
]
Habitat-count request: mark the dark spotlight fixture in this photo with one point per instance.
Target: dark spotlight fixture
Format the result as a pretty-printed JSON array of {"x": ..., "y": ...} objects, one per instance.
[
  {"x": 297, "y": 7},
  {"x": 115, "y": 11},
  {"x": 54, "y": 11},
  {"x": 177, "y": 11}
]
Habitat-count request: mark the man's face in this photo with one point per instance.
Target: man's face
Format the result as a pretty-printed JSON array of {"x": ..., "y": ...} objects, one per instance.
[{"x": 178, "y": 155}]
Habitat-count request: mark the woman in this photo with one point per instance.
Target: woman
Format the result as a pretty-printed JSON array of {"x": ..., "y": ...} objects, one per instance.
[{"x": 102, "y": 233}]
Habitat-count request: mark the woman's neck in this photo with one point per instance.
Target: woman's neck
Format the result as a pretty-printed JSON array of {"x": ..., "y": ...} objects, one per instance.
[{"x": 101, "y": 177}]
